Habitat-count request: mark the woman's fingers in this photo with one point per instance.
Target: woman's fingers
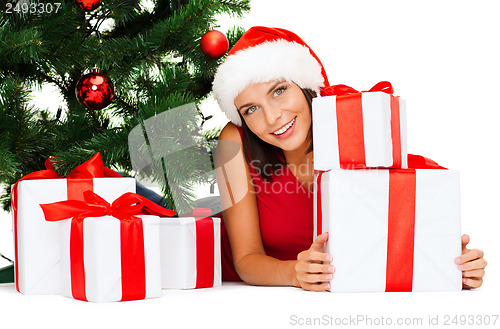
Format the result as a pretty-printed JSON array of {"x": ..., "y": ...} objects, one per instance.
[
  {"x": 473, "y": 274},
  {"x": 469, "y": 255},
  {"x": 314, "y": 268},
  {"x": 473, "y": 265},
  {"x": 315, "y": 278},
  {"x": 465, "y": 241},
  {"x": 314, "y": 256},
  {"x": 312, "y": 272},
  {"x": 319, "y": 243},
  {"x": 316, "y": 286},
  {"x": 472, "y": 283}
]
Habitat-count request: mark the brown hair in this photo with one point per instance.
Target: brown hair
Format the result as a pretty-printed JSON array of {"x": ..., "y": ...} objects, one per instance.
[{"x": 260, "y": 154}]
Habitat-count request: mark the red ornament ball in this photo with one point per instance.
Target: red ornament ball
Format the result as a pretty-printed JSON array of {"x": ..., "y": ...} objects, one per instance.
[
  {"x": 95, "y": 90},
  {"x": 88, "y": 5},
  {"x": 214, "y": 44}
]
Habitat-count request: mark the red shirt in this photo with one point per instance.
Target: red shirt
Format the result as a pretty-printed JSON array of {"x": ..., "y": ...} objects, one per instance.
[{"x": 285, "y": 216}]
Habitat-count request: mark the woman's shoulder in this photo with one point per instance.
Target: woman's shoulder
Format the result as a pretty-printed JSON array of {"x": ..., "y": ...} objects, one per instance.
[{"x": 231, "y": 132}]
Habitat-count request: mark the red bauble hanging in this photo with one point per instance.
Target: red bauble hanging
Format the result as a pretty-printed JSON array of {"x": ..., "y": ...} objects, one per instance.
[
  {"x": 214, "y": 44},
  {"x": 95, "y": 90},
  {"x": 88, "y": 5}
]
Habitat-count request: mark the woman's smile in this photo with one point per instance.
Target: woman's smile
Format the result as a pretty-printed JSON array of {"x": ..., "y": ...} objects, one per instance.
[{"x": 286, "y": 130}]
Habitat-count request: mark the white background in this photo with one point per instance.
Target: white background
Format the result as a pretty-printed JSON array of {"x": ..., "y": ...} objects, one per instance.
[{"x": 442, "y": 57}]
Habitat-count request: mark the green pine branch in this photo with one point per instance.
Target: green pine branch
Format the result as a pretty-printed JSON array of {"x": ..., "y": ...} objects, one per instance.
[{"x": 152, "y": 56}]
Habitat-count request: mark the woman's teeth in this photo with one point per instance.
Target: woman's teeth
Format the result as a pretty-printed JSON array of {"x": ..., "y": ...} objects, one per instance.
[{"x": 285, "y": 128}]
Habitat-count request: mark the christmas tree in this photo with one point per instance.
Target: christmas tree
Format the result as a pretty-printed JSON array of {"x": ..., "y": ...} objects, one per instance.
[{"x": 149, "y": 50}]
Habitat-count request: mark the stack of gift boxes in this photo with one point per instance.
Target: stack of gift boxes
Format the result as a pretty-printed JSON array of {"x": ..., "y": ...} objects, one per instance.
[
  {"x": 392, "y": 227},
  {"x": 90, "y": 237}
]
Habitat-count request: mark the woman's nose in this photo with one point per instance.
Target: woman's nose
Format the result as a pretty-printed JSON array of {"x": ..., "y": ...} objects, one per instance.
[{"x": 272, "y": 114}]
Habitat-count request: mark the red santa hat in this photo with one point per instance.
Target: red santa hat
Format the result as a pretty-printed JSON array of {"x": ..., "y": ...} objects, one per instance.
[{"x": 265, "y": 54}]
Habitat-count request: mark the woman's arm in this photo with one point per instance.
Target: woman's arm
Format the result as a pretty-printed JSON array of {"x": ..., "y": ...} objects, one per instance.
[{"x": 241, "y": 218}]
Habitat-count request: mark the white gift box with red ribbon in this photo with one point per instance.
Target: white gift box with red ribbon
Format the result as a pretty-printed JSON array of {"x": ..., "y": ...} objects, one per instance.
[
  {"x": 111, "y": 267},
  {"x": 354, "y": 130},
  {"x": 190, "y": 252},
  {"x": 37, "y": 241},
  {"x": 391, "y": 230}
]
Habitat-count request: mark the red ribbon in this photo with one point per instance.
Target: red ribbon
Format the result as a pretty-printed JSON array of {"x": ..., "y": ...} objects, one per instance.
[
  {"x": 79, "y": 180},
  {"x": 342, "y": 90},
  {"x": 401, "y": 230},
  {"x": 350, "y": 131},
  {"x": 319, "y": 213},
  {"x": 395, "y": 132},
  {"x": 205, "y": 249},
  {"x": 131, "y": 236},
  {"x": 350, "y": 124}
]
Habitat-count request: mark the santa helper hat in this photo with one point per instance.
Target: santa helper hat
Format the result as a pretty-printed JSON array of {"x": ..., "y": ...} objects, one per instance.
[{"x": 265, "y": 54}]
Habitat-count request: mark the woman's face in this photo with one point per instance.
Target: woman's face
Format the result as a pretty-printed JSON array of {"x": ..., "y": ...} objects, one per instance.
[{"x": 277, "y": 112}]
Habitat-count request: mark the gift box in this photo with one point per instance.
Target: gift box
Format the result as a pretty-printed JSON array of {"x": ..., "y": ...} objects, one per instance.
[
  {"x": 104, "y": 257},
  {"x": 391, "y": 230},
  {"x": 354, "y": 130},
  {"x": 190, "y": 252},
  {"x": 37, "y": 251},
  {"x": 109, "y": 252}
]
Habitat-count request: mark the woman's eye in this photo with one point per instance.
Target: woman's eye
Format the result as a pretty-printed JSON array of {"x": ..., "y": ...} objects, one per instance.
[
  {"x": 251, "y": 109},
  {"x": 279, "y": 91}
]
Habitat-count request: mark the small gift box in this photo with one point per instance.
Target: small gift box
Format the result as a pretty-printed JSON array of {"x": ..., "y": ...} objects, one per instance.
[
  {"x": 391, "y": 230},
  {"x": 190, "y": 252},
  {"x": 355, "y": 130},
  {"x": 108, "y": 252},
  {"x": 36, "y": 241}
]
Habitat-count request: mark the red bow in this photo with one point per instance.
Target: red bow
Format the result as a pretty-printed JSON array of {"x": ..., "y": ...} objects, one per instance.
[
  {"x": 93, "y": 168},
  {"x": 123, "y": 208},
  {"x": 341, "y": 90}
]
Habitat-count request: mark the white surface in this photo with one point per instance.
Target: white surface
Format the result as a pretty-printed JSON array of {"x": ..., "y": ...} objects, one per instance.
[
  {"x": 236, "y": 305},
  {"x": 178, "y": 252},
  {"x": 442, "y": 58}
]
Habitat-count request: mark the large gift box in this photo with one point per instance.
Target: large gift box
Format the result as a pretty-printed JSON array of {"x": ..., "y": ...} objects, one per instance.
[
  {"x": 391, "y": 230},
  {"x": 109, "y": 252},
  {"x": 354, "y": 130},
  {"x": 37, "y": 250},
  {"x": 190, "y": 252}
]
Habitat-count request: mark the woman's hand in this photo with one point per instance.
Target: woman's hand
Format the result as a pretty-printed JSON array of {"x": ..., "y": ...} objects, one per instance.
[
  {"x": 310, "y": 271},
  {"x": 472, "y": 265}
]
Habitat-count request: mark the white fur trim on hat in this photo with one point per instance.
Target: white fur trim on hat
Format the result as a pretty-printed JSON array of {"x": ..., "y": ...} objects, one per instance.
[{"x": 265, "y": 62}]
